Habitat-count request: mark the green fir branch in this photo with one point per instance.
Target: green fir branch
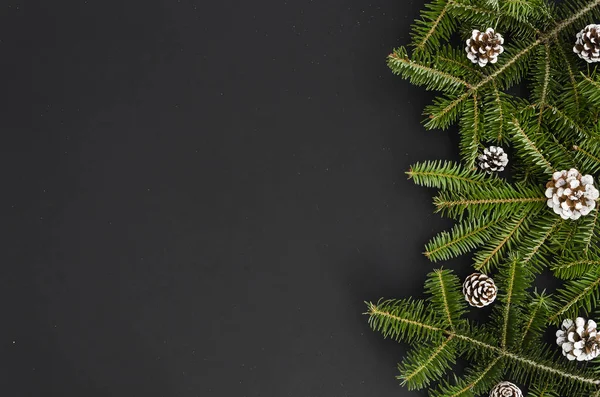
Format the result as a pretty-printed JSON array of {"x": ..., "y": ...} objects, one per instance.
[
  {"x": 508, "y": 226},
  {"x": 461, "y": 239},
  {"x": 422, "y": 74},
  {"x": 575, "y": 296},
  {"x": 446, "y": 297},
  {"x": 393, "y": 320},
  {"x": 450, "y": 176},
  {"x": 424, "y": 366},
  {"x": 495, "y": 202},
  {"x": 504, "y": 237},
  {"x": 534, "y": 320}
]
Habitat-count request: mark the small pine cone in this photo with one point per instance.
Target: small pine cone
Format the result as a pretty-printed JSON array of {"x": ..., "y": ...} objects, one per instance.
[
  {"x": 493, "y": 159},
  {"x": 479, "y": 290},
  {"x": 587, "y": 45},
  {"x": 484, "y": 47},
  {"x": 571, "y": 195},
  {"x": 579, "y": 340},
  {"x": 506, "y": 389}
]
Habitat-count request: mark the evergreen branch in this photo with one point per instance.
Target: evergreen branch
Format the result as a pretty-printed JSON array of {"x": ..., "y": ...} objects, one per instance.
[
  {"x": 445, "y": 295},
  {"x": 374, "y": 311},
  {"x": 470, "y": 9},
  {"x": 508, "y": 229},
  {"x": 500, "y": 119},
  {"x": 536, "y": 309},
  {"x": 586, "y": 153},
  {"x": 525, "y": 7},
  {"x": 558, "y": 372},
  {"x": 508, "y": 295},
  {"x": 476, "y": 382},
  {"x": 535, "y": 320},
  {"x": 421, "y": 74},
  {"x": 589, "y": 157},
  {"x": 392, "y": 320},
  {"x": 470, "y": 132},
  {"x": 497, "y": 202},
  {"x": 495, "y": 215},
  {"x": 574, "y": 268},
  {"x": 423, "y": 366},
  {"x": 512, "y": 280},
  {"x": 573, "y": 18},
  {"x": 590, "y": 89},
  {"x": 537, "y": 238},
  {"x": 540, "y": 145},
  {"x": 515, "y": 58},
  {"x": 532, "y": 252},
  {"x": 461, "y": 239},
  {"x": 408, "y": 319},
  {"x": 545, "y": 391},
  {"x": 443, "y": 112},
  {"x": 525, "y": 360},
  {"x": 446, "y": 307},
  {"x": 444, "y": 203},
  {"x": 591, "y": 233},
  {"x": 558, "y": 119},
  {"x": 572, "y": 80},
  {"x": 577, "y": 294},
  {"x": 462, "y": 64},
  {"x": 449, "y": 176},
  {"x": 479, "y": 378},
  {"x": 568, "y": 238},
  {"x": 543, "y": 38},
  {"x": 545, "y": 82},
  {"x": 420, "y": 45},
  {"x": 530, "y": 147}
]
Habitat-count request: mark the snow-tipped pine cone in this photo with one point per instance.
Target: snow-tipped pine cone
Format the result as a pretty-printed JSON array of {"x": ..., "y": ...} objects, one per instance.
[
  {"x": 570, "y": 194},
  {"x": 493, "y": 159},
  {"x": 587, "y": 45},
  {"x": 479, "y": 290},
  {"x": 484, "y": 47},
  {"x": 579, "y": 339},
  {"x": 506, "y": 389}
]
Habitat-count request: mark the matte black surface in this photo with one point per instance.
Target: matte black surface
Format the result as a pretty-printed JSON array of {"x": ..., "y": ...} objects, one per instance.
[{"x": 198, "y": 197}]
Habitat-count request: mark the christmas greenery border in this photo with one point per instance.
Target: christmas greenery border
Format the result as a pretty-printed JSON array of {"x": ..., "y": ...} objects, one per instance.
[{"x": 544, "y": 216}]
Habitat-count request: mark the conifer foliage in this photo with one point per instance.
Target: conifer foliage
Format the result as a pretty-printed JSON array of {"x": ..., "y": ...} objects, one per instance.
[{"x": 515, "y": 223}]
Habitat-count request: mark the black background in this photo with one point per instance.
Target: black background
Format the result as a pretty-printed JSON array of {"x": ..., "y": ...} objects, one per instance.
[{"x": 197, "y": 198}]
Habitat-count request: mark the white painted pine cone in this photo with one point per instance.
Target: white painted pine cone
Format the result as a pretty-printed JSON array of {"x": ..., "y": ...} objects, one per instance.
[
  {"x": 484, "y": 47},
  {"x": 587, "y": 43},
  {"x": 579, "y": 339},
  {"x": 493, "y": 159},
  {"x": 571, "y": 195},
  {"x": 506, "y": 389},
  {"x": 479, "y": 290}
]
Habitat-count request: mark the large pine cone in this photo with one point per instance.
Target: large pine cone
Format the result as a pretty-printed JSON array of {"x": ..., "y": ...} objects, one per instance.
[
  {"x": 587, "y": 45},
  {"x": 484, "y": 47},
  {"x": 479, "y": 290},
  {"x": 579, "y": 340},
  {"x": 571, "y": 195},
  {"x": 506, "y": 389},
  {"x": 493, "y": 159}
]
